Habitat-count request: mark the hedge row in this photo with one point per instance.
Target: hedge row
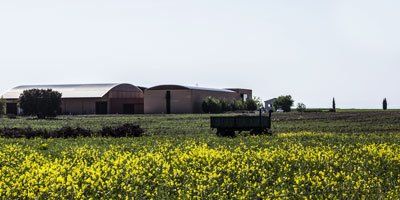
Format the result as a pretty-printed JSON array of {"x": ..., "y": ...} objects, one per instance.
[
  {"x": 126, "y": 130},
  {"x": 214, "y": 105}
]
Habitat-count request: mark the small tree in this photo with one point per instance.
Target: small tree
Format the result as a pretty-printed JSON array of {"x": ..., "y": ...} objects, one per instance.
[
  {"x": 259, "y": 102},
  {"x": 238, "y": 105},
  {"x": 211, "y": 105},
  {"x": 334, "y": 105},
  {"x": 42, "y": 103},
  {"x": 251, "y": 105},
  {"x": 301, "y": 107},
  {"x": 284, "y": 102},
  {"x": 385, "y": 104},
  {"x": 225, "y": 105},
  {"x": 2, "y": 106}
]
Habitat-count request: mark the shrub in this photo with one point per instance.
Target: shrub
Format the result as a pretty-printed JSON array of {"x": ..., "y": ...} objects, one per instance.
[
  {"x": 70, "y": 132},
  {"x": 238, "y": 105},
  {"x": 259, "y": 102},
  {"x": 252, "y": 105},
  {"x": 225, "y": 105},
  {"x": 42, "y": 103},
  {"x": 2, "y": 106},
  {"x": 301, "y": 107},
  {"x": 126, "y": 130},
  {"x": 65, "y": 132},
  {"x": 212, "y": 105},
  {"x": 284, "y": 102}
]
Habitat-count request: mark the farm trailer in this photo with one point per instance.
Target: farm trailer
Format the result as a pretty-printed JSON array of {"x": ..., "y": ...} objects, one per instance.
[{"x": 228, "y": 125}]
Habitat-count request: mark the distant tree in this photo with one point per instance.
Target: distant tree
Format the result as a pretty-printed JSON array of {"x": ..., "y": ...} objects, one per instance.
[
  {"x": 42, "y": 103},
  {"x": 2, "y": 106},
  {"x": 301, "y": 107},
  {"x": 385, "y": 104},
  {"x": 333, "y": 105},
  {"x": 253, "y": 104},
  {"x": 284, "y": 102},
  {"x": 259, "y": 102}
]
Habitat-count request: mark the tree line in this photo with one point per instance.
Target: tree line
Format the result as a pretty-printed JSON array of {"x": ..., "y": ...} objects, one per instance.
[
  {"x": 215, "y": 105},
  {"x": 285, "y": 103}
]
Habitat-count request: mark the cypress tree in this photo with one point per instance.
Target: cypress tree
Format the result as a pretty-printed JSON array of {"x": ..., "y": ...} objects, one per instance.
[
  {"x": 384, "y": 104},
  {"x": 333, "y": 105}
]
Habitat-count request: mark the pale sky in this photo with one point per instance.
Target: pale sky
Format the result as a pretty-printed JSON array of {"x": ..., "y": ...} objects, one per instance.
[{"x": 313, "y": 50}]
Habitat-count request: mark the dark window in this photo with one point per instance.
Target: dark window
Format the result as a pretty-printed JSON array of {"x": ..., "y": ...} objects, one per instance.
[
  {"x": 129, "y": 109},
  {"x": 101, "y": 108},
  {"x": 168, "y": 101},
  {"x": 11, "y": 108}
]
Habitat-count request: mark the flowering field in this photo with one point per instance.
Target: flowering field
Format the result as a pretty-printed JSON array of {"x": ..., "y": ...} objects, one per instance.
[{"x": 286, "y": 166}]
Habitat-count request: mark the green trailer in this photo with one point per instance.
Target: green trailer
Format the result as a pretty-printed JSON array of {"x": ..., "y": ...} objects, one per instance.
[{"x": 228, "y": 125}]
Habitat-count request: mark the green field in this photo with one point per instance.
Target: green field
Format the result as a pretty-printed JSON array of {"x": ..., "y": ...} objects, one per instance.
[
  {"x": 344, "y": 155},
  {"x": 340, "y": 122}
]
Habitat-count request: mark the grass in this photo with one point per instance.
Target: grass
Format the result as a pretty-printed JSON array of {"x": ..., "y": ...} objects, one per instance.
[
  {"x": 340, "y": 122},
  {"x": 343, "y": 155}
]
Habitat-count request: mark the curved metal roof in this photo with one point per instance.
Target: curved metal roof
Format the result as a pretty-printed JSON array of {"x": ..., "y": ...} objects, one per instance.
[
  {"x": 181, "y": 87},
  {"x": 67, "y": 91}
]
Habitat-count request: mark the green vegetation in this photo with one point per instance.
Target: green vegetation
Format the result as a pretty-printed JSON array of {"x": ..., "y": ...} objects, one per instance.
[
  {"x": 368, "y": 121},
  {"x": 333, "y": 105},
  {"x": 384, "y": 104},
  {"x": 42, "y": 103},
  {"x": 295, "y": 166},
  {"x": 301, "y": 107},
  {"x": 215, "y": 106},
  {"x": 2, "y": 107},
  {"x": 124, "y": 130},
  {"x": 253, "y": 104},
  {"x": 284, "y": 102},
  {"x": 179, "y": 157}
]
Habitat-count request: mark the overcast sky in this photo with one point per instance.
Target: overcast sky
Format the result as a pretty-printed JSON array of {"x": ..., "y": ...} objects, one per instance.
[{"x": 313, "y": 50}]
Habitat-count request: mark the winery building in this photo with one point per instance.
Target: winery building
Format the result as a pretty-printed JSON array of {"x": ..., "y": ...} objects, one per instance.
[
  {"x": 177, "y": 99},
  {"x": 87, "y": 99}
]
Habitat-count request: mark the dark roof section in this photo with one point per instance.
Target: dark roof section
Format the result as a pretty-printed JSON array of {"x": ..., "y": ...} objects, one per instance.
[
  {"x": 69, "y": 90},
  {"x": 142, "y": 88},
  {"x": 181, "y": 87},
  {"x": 238, "y": 89}
]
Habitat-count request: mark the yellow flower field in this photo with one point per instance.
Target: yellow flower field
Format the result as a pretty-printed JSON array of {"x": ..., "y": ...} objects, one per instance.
[{"x": 287, "y": 166}]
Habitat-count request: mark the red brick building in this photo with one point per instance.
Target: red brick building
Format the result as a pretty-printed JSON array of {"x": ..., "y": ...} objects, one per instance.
[
  {"x": 176, "y": 99},
  {"x": 87, "y": 98}
]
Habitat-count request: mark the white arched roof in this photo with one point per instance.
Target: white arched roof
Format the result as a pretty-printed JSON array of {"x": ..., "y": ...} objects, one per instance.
[
  {"x": 67, "y": 91},
  {"x": 182, "y": 87}
]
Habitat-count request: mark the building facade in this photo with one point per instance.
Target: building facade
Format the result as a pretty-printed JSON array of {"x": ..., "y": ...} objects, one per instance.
[
  {"x": 177, "y": 99},
  {"x": 86, "y": 99}
]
